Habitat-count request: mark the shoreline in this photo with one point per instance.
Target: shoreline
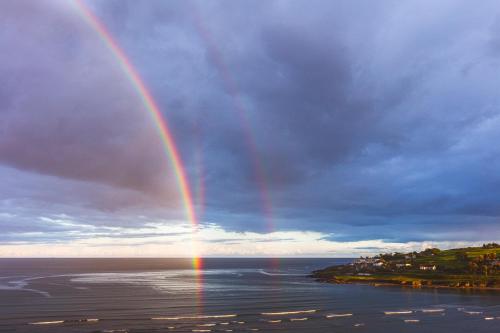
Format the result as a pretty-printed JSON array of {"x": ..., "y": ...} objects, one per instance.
[
  {"x": 467, "y": 269},
  {"x": 375, "y": 283}
]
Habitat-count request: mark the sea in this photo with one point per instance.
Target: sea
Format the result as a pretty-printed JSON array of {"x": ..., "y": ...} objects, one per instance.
[{"x": 225, "y": 295}]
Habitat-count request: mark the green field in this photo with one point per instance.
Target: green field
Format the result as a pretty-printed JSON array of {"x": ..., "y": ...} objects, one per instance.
[{"x": 473, "y": 267}]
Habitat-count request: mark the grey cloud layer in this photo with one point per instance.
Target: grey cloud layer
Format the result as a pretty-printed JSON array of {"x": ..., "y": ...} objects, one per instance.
[
  {"x": 67, "y": 110},
  {"x": 368, "y": 121}
]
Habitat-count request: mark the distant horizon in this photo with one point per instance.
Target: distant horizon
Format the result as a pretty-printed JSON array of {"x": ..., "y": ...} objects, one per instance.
[
  {"x": 187, "y": 258},
  {"x": 233, "y": 257}
]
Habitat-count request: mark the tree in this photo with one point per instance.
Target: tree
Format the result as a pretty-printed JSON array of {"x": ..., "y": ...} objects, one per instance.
[
  {"x": 485, "y": 270},
  {"x": 435, "y": 251},
  {"x": 473, "y": 266},
  {"x": 462, "y": 256}
]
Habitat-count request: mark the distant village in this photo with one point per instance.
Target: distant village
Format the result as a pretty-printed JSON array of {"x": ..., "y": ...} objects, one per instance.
[
  {"x": 363, "y": 264},
  {"x": 472, "y": 267},
  {"x": 424, "y": 261}
]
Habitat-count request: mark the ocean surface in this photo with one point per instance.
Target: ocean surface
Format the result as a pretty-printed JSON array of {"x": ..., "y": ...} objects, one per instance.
[{"x": 227, "y": 295}]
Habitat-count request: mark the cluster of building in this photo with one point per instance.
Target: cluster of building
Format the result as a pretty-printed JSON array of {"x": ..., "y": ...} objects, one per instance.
[
  {"x": 427, "y": 267},
  {"x": 369, "y": 263},
  {"x": 374, "y": 263}
]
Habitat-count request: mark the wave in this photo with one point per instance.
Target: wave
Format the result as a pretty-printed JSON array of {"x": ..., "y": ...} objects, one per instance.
[
  {"x": 22, "y": 283},
  {"x": 261, "y": 271},
  {"x": 473, "y": 312},
  {"x": 54, "y": 322},
  {"x": 67, "y": 321},
  {"x": 432, "y": 310},
  {"x": 299, "y": 319},
  {"x": 409, "y": 321},
  {"x": 287, "y": 312},
  {"x": 85, "y": 320},
  {"x": 21, "y": 286},
  {"x": 195, "y": 317},
  {"x": 389, "y": 313},
  {"x": 338, "y": 315}
]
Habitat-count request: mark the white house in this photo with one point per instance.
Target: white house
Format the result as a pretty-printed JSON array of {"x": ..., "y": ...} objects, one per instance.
[{"x": 427, "y": 267}]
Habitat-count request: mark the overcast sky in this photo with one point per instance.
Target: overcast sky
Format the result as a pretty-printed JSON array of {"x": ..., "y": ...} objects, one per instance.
[{"x": 325, "y": 128}]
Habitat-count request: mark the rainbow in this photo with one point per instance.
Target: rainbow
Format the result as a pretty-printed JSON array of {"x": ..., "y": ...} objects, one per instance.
[
  {"x": 232, "y": 89},
  {"x": 150, "y": 105}
]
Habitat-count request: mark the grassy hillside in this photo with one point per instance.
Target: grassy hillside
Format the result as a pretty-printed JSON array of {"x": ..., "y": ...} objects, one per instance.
[{"x": 473, "y": 267}]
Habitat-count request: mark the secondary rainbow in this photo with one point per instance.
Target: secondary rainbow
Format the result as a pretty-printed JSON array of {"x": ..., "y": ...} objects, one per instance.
[
  {"x": 230, "y": 85},
  {"x": 152, "y": 108}
]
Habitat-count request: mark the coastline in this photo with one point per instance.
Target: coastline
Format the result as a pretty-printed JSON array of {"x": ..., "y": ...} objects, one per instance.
[
  {"x": 472, "y": 268},
  {"x": 402, "y": 284}
]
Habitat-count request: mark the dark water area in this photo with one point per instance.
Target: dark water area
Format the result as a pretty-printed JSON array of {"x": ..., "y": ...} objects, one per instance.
[{"x": 227, "y": 295}]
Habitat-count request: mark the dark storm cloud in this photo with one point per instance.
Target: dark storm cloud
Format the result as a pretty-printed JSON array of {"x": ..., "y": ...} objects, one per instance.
[
  {"x": 362, "y": 119},
  {"x": 67, "y": 110}
]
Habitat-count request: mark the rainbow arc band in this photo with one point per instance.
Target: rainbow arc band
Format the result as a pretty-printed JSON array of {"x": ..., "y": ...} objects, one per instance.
[
  {"x": 154, "y": 111},
  {"x": 231, "y": 88}
]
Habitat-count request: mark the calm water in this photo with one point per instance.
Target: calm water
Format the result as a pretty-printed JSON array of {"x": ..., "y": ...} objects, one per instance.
[{"x": 238, "y": 295}]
